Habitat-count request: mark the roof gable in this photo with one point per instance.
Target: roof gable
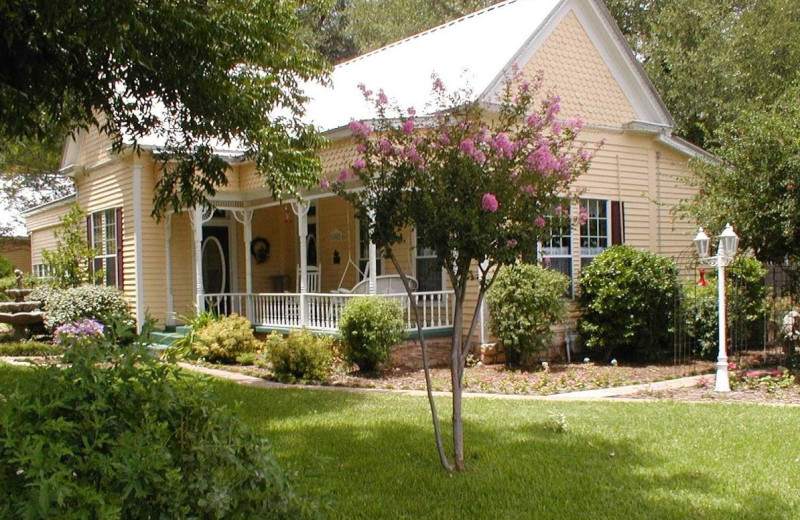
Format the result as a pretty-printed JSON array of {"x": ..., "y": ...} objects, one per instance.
[{"x": 476, "y": 51}]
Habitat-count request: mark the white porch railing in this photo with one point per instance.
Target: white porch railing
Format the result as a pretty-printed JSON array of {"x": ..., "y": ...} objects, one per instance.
[{"x": 324, "y": 310}]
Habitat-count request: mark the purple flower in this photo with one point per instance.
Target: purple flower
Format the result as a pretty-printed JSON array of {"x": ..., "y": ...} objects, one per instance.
[
  {"x": 412, "y": 154},
  {"x": 504, "y": 146},
  {"x": 412, "y": 111},
  {"x": 489, "y": 203},
  {"x": 78, "y": 333},
  {"x": 382, "y": 99},
  {"x": 344, "y": 175},
  {"x": 540, "y": 222},
  {"x": 359, "y": 164},
  {"x": 361, "y": 148},
  {"x": 437, "y": 83},
  {"x": 467, "y": 146},
  {"x": 553, "y": 105},
  {"x": 408, "y": 126}
]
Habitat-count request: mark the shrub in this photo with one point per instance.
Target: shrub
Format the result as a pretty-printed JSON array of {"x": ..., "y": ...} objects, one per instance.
[
  {"x": 98, "y": 302},
  {"x": 114, "y": 434},
  {"x": 301, "y": 356},
  {"x": 69, "y": 264},
  {"x": 223, "y": 340},
  {"x": 524, "y": 302},
  {"x": 746, "y": 297},
  {"x": 368, "y": 329},
  {"x": 6, "y": 268},
  {"x": 627, "y": 299}
]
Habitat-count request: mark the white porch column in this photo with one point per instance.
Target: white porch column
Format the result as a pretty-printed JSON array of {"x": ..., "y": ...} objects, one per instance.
[
  {"x": 198, "y": 217},
  {"x": 245, "y": 217},
  {"x": 301, "y": 210},
  {"x": 482, "y": 310},
  {"x": 170, "y": 317},
  {"x": 373, "y": 261},
  {"x": 137, "y": 241}
]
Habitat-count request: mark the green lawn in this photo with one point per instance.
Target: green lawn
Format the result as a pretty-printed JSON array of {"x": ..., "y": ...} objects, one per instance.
[{"x": 372, "y": 456}]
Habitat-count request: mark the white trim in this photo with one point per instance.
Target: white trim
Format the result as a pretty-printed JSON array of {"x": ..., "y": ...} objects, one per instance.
[
  {"x": 137, "y": 245},
  {"x": 169, "y": 319}
]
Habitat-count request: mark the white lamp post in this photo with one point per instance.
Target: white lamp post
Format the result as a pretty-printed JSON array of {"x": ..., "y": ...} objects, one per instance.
[{"x": 726, "y": 250}]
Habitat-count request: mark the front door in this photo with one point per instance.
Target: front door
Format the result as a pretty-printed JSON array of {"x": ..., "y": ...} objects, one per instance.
[{"x": 216, "y": 270}]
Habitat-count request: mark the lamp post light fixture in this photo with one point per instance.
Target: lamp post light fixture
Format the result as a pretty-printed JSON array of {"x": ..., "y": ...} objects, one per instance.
[{"x": 726, "y": 250}]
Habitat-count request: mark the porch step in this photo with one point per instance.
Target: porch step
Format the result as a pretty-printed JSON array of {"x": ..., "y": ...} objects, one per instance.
[{"x": 165, "y": 338}]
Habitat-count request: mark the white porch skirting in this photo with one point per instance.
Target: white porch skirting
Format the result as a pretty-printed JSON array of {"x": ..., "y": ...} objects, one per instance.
[{"x": 323, "y": 311}]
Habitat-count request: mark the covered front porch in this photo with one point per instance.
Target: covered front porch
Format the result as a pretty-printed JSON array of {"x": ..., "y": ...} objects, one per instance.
[{"x": 291, "y": 265}]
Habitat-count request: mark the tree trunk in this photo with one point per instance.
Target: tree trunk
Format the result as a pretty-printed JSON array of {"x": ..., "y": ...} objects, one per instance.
[{"x": 437, "y": 431}]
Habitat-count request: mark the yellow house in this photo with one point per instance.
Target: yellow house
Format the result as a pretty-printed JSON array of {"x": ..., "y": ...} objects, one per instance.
[{"x": 287, "y": 264}]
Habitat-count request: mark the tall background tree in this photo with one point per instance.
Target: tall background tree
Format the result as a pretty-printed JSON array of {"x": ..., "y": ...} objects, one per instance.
[{"x": 181, "y": 70}]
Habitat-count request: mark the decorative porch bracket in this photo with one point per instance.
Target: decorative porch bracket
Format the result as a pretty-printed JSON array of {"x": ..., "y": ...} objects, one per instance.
[
  {"x": 199, "y": 216},
  {"x": 300, "y": 209},
  {"x": 245, "y": 217}
]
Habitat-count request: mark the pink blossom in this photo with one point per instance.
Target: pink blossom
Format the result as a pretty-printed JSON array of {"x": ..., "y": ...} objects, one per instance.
[
  {"x": 583, "y": 216},
  {"x": 437, "y": 83},
  {"x": 553, "y": 105},
  {"x": 557, "y": 128},
  {"x": 411, "y": 153},
  {"x": 489, "y": 203},
  {"x": 528, "y": 189},
  {"x": 361, "y": 148},
  {"x": 408, "y": 126},
  {"x": 384, "y": 145},
  {"x": 482, "y": 136},
  {"x": 382, "y": 98},
  {"x": 444, "y": 139},
  {"x": 478, "y": 156},
  {"x": 324, "y": 183},
  {"x": 540, "y": 222},
  {"x": 542, "y": 159},
  {"x": 547, "y": 260},
  {"x": 534, "y": 121},
  {"x": 525, "y": 87},
  {"x": 344, "y": 175},
  {"x": 412, "y": 111},
  {"x": 364, "y": 92},
  {"x": 359, "y": 129},
  {"x": 503, "y": 145},
  {"x": 575, "y": 124},
  {"x": 359, "y": 164},
  {"x": 467, "y": 146},
  {"x": 511, "y": 242},
  {"x": 586, "y": 155}
]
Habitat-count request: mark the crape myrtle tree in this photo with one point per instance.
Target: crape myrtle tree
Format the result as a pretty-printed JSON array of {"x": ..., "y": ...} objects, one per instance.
[
  {"x": 196, "y": 75},
  {"x": 480, "y": 181}
]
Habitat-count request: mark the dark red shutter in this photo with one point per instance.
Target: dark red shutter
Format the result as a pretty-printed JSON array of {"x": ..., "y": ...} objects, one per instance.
[
  {"x": 617, "y": 222},
  {"x": 120, "y": 270}
]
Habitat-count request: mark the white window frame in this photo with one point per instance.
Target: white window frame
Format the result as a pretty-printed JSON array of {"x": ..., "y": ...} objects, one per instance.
[
  {"x": 104, "y": 223},
  {"x": 600, "y": 223},
  {"x": 548, "y": 249}
]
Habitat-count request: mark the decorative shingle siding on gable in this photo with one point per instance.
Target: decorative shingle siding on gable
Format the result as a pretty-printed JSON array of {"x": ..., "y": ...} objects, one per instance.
[{"x": 575, "y": 70}]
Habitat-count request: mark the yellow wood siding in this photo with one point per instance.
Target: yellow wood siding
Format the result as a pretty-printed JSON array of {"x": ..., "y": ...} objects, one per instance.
[
  {"x": 574, "y": 69},
  {"x": 152, "y": 272},
  {"x": 182, "y": 260}
]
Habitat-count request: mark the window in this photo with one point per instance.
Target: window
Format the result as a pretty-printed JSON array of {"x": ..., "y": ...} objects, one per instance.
[
  {"x": 40, "y": 271},
  {"x": 595, "y": 231},
  {"x": 557, "y": 251},
  {"x": 604, "y": 227},
  {"x": 105, "y": 237},
  {"x": 363, "y": 253},
  {"x": 429, "y": 273}
]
